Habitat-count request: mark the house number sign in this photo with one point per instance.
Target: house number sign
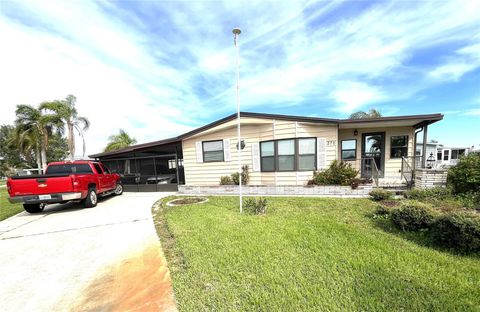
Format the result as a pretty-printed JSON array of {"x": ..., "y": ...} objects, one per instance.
[{"x": 331, "y": 143}]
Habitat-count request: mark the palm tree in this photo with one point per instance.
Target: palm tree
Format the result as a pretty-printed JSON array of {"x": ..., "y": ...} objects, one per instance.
[
  {"x": 118, "y": 141},
  {"x": 66, "y": 112},
  {"x": 32, "y": 131},
  {"x": 372, "y": 113}
]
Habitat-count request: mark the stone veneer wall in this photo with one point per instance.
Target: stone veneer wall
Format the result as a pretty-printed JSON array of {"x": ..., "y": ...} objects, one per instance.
[
  {"x": 327, "y": 190},
  {"x": 429, "y": 178}
]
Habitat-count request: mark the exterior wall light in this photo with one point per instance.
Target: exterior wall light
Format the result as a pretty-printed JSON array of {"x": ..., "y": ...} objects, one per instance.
[{"x": 355, "y": 132}]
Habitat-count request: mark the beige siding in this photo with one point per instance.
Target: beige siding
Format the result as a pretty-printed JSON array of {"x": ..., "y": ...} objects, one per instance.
[
  {"x": 392, "y": 165},
  {"x": 253, "y": 131}
]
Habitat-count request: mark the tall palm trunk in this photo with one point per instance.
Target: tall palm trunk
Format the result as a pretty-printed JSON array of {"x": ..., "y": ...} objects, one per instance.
[
  {"x": 71, "y": 140},
  {"x": 43, "y": 151},
  {"x": 38, "y": 158}
]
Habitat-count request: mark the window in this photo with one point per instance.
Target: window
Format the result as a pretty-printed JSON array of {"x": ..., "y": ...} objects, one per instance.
[
  {"x": 286, "y": 155},
  {"x": 306, "y": 154},
  {"x": 68, "y": 169},
  {"x": 398, "y": 146},
  {"x": 212, "y": 151},
  {"x": 349, "y": 149},
  {"x": 172, "y": 164},
  {"x": 445, "y": 155},
  {"x": 98, "y": 168},
  {"x": 267, "y": 156},
  {"x": 454, "y": 154},
  {"x": 439, "y": 155},
  {"x": 105, "y": 169}
]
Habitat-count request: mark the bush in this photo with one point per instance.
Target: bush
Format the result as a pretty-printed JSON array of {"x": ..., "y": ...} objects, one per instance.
[
  {"x": 233, "y": 179},
  {"x": 245, "y": 176},
  {"x": 380, "y": 194},
  {"x": 460, "y": 231},
  {"x": 339, "y": 173},
  {"x": 465, "y": 176},
  {"x": 382, "y": 210},
  {"x": 437, "y": 193},
  {"x": 226, "y": 180},
  {"x": 469, "y": 200},
  {"x": 255, "y": 206},
  {"x": 412, "y": 216}
]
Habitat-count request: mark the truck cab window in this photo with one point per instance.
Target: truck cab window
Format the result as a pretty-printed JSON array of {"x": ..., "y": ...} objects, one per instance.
[{"x": 98, "y": 168}]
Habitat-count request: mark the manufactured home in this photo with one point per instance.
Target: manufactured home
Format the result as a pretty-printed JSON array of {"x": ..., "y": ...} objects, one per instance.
[
  {"x": 440, "y": 155},
  {"x": 280, "y": 150}
]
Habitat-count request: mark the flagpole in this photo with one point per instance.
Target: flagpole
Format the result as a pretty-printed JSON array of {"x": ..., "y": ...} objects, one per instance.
[{"x": 236, "y": 33}]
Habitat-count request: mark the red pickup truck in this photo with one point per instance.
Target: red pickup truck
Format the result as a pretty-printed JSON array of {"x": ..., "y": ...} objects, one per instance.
[{"x": 63, "y": 182}]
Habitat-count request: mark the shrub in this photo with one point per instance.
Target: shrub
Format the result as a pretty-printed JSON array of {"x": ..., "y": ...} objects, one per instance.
[
  {"x": 255, "y": 206},
  {"x": 339, "y": 173},
  {"x": 245, "y": 176},
  {"x": 382, "y": 210},
  {"x": 380, "y": 194},
  {"x": 226, "y": 180},
  {"x": 412, "y": 216},
  {"x": 438, "y": 193},
  {"x": 465, "y": 176},
  {"x": 460, "y": 231},
  {"x": 469, "y": 200}
]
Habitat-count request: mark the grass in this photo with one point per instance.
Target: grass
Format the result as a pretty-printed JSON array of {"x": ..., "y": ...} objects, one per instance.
[
  {"x": 6, "y": 209},
  {"x": 306, "y": 254}
]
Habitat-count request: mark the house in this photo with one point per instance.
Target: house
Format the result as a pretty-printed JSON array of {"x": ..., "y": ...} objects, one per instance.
[
  {"x": 280, "y": 150},
  {"x": 440, "y": 155}
]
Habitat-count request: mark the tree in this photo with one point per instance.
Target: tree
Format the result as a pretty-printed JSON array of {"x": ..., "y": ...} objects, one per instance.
[
  {"x": 10, "y": 157},
  {"x": 32, "y": 130},
  {"x": 118, "y": 141},
  {"x": 66, "y": 112},
  {"x": 372, "y": 113}
]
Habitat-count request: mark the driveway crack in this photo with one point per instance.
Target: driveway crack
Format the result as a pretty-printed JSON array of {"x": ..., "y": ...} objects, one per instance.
[{"x": 71, "y": 229}]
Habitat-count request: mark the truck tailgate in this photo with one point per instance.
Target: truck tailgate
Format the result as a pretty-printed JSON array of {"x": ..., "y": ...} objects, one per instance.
[{"x": 42, "y": 185}]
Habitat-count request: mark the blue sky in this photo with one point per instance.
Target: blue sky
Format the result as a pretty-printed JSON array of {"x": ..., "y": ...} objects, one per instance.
[{"x": 160, "y": 68}]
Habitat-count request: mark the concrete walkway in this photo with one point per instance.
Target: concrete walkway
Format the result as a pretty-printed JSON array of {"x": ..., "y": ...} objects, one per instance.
[{"x": 69, "y": 258}]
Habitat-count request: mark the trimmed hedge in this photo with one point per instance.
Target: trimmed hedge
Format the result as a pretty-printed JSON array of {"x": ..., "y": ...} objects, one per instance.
[
  {"x": 460, "y": 231},
  {"x": 412, "y": 216},
  {"x": 380, "y": 194},
  {"x": 438, "y": 193}
]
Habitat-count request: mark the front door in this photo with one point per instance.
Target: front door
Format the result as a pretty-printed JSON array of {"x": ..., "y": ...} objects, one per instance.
[{"x": 373, "y": 154}]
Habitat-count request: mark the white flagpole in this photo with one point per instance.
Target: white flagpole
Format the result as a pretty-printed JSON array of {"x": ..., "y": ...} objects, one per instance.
[{"x": 236, "y": 33}]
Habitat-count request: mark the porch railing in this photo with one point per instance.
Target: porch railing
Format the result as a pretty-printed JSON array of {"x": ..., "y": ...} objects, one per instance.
[
  {"x": 407, "y": 172},
  {"x": 367, "y": 168}
]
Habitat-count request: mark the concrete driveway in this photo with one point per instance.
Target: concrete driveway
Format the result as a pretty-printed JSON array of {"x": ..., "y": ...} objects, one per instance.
[{"x": 69, "y": 258}]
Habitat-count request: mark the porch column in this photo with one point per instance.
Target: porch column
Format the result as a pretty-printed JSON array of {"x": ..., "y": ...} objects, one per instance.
[{"x": 424, "y": 147}]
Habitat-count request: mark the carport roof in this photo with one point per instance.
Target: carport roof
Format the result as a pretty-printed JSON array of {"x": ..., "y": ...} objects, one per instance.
[{"x": 410, "y": 120}]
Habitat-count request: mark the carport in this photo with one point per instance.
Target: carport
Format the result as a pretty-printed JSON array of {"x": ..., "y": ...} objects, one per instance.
[{"x": 150, "y": 167}]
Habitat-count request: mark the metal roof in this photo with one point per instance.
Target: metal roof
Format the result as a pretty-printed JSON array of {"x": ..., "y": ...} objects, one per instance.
[{"x": 426, "y": 119}]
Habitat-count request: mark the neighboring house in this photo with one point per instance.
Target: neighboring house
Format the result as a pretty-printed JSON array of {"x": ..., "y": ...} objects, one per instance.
[
  {"x": 443, "y": 156},
  {"x": 279, "y": 150}
]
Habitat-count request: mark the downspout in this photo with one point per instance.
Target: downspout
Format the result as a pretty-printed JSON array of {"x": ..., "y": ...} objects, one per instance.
[
  {"x": 424, "y": 149},
  {"x": 417, "y": 131}
]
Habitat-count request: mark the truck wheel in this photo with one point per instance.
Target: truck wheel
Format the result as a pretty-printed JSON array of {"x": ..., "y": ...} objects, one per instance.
[
  {"x": 33, "y": 208},
  {"x": 91, "y": 199},
  {"x": 119, "y": 189}
]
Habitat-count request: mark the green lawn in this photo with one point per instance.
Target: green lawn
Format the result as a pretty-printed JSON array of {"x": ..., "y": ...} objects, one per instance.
[
  {"x": 306, "y": 254},
  {"x": 7, "y": 209}
]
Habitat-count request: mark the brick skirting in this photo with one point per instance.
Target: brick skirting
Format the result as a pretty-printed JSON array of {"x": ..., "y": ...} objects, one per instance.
[
  {"x": 327, "y": 191},
  {"x": 429, "y": 178}
]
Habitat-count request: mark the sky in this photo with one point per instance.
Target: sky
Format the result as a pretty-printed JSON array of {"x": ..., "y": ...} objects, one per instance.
[{"x": 160, "y": 68}]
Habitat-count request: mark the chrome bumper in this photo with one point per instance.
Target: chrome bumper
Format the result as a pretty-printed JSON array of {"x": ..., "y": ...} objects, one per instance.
[{"x": 54, "y": 198}]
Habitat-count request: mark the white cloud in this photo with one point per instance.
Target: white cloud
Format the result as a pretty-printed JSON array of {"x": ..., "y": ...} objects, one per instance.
[
  {"x": 170, "y": 69},
  {"x": 353, "y": 95}
]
